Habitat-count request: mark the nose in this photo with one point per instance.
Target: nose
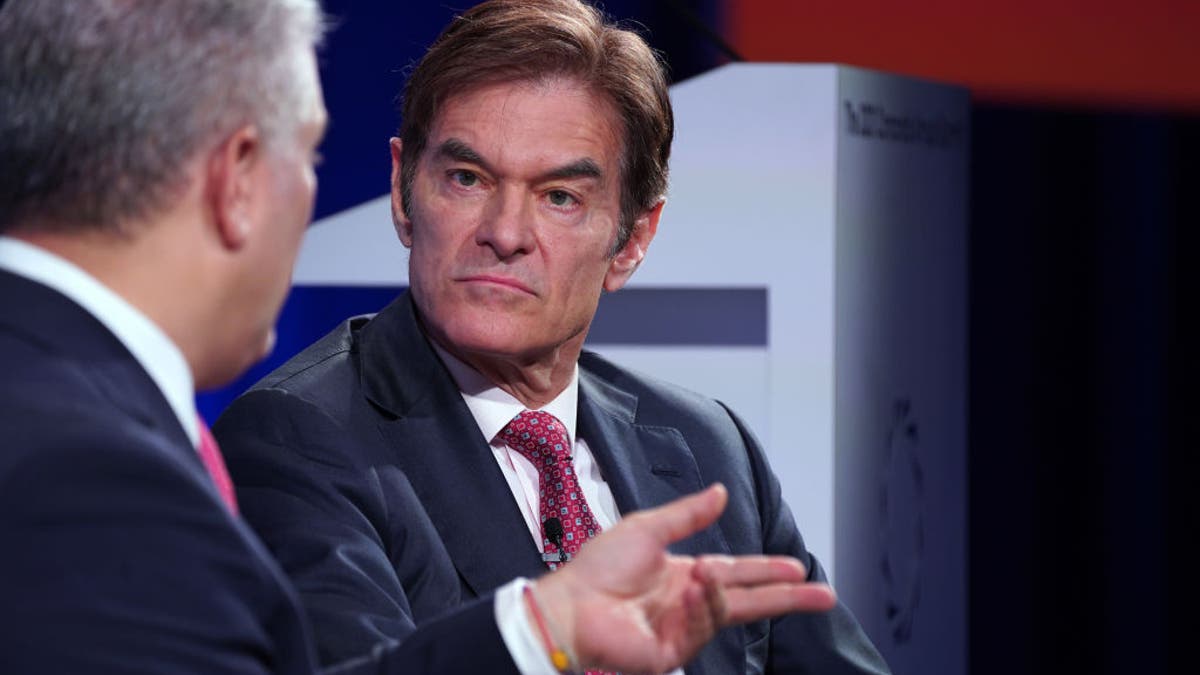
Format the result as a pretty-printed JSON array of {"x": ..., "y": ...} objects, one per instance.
[{"x": 507, "y": 226}]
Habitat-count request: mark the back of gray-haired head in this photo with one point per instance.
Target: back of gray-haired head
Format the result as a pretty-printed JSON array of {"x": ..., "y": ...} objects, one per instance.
[{"x": 104, "y": 102}]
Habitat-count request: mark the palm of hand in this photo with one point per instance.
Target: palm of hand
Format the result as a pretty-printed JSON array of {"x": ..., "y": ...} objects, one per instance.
[{"x": 641, "y": 605}]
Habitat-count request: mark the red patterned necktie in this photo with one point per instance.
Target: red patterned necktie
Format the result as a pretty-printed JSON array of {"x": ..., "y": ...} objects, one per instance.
[
  {"x": 210, "y": 454},
  {"x": 542, "y": 439}
]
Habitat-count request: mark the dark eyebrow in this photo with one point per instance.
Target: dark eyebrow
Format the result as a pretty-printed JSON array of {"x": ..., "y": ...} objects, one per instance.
[
  {"x": 458, "y": 151},
  {"x": 580, "y": 168}
]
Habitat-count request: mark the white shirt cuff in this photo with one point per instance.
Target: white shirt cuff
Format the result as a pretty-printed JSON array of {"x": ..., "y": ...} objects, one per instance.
[{"x": 519, "y": 635}]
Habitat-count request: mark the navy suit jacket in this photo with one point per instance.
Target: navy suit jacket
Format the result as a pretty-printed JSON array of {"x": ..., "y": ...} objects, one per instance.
[
  {"x": 361, "y": 467},
  {"x": 119, "y": 555}
]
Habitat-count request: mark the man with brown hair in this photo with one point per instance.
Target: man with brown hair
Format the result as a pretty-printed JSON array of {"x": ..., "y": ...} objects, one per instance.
[{"x": 419, "y": 458}]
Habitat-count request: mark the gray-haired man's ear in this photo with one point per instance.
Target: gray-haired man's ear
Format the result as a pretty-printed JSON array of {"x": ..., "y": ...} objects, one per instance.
[{"x": 230, "y": 180}]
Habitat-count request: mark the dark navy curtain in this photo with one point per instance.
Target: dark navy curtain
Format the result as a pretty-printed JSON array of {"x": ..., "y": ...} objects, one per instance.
[{"x": 1083, "y": 371}]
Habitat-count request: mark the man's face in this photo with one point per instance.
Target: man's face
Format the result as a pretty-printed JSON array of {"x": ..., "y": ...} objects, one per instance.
[
  {"x": 286, "y": 182},
  {"x": 514, "y": 213}
]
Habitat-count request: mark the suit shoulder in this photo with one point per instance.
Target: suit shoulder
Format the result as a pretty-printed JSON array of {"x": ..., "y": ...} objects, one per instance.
[
  {"x": 29, "y": 362},
  {"x": 309, "y": 405},
  {"x": 325, "y": 365},
  {"x": 63, "y": 422},
  {"x": 50, "y": 405},
  {"x": 658, "y": 401}
]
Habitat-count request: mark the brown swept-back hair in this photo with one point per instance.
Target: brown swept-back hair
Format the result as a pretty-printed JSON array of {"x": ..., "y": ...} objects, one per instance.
[{"x": 532, "y": 40}]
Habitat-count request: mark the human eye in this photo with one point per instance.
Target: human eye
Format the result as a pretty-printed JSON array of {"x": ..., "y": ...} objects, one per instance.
[
  {"x": 561, "y": 199},
  {"x": 464, "y": 178}
]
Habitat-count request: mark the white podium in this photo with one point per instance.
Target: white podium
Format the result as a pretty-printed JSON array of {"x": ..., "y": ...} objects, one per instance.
[{"x": 810, "y": 272}]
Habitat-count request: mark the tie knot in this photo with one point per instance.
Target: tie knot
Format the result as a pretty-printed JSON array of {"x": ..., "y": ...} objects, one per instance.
[{"x": 539, "y": 436}]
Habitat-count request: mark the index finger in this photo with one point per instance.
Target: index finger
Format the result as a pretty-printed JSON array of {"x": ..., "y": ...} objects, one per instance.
[
  {"x": 749, "y": 570},
  {"x": 686, "y": 516}
]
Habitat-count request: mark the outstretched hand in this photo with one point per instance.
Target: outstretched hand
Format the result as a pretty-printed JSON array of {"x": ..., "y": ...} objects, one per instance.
[{"x": 626, "y": 604}]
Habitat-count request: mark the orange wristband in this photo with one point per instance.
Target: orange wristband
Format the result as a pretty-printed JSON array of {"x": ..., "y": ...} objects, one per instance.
[{"x": 559, "y": 657}]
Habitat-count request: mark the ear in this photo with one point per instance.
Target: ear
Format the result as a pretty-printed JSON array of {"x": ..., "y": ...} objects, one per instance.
[
  {"x": 232, "y": 179},
  {"x": 623, "y": 264},
  {"x": 399, "y": 217}
]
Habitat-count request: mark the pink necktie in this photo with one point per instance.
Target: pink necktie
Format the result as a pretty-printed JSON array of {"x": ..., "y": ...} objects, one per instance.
[{"x": 210, "y": 454}]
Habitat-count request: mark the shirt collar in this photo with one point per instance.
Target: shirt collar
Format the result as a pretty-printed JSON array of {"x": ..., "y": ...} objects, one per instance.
[
  {"x": 493, "y": 408},
  {"x": 149, "y": 345}
]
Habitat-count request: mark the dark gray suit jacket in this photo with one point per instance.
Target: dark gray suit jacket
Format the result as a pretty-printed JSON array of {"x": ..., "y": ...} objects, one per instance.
[
  {"x": 118, "y": 554},
  {"x": 363, "y": 470}
]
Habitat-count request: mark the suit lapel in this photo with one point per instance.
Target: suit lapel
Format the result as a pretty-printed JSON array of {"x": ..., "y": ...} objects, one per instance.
[
  {"x": 645, "y": 466},
  {"x": 437, "y": 444}
]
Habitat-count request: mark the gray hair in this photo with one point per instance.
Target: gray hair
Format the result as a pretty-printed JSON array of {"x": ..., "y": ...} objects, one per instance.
[{"x": 103, "y": 102}]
